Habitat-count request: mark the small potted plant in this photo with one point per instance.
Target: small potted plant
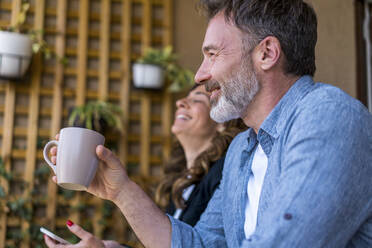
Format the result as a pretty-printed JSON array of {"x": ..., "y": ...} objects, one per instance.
[
  {"x": 17, "y": 46},
  {"x": 97, "y": 115},
  {"x": 149, "y": 71},
  {"x": 155, "y": 66}
]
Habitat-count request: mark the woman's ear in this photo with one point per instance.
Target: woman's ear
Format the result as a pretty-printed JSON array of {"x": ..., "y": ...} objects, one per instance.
[{"x": 220, "y": 127}]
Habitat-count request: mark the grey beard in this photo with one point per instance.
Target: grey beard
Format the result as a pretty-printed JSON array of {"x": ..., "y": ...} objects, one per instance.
[{"x": 236, "y": 95}]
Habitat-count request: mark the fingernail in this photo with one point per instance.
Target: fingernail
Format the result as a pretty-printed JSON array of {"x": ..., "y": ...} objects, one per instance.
[{"x": 70, "y": 223}]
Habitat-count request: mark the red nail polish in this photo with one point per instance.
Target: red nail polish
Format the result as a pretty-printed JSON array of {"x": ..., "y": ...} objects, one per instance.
[{"x": 70, "y": 223}]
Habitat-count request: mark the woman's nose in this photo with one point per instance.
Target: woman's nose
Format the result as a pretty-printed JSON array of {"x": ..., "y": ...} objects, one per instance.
[{"x": 181, "y": 103}]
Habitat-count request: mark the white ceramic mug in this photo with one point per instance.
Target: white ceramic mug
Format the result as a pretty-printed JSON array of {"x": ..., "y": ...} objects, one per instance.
[{"x": 77, "y": 161}]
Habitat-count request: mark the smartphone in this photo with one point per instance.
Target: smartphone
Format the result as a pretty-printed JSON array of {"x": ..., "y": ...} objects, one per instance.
[{"x": 53, "y": 236}]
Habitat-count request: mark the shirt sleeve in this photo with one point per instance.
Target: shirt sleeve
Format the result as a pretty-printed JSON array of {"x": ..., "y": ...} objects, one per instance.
[
  {"x": 208, "y": 232},
  {"x": 324, "y": 191}
]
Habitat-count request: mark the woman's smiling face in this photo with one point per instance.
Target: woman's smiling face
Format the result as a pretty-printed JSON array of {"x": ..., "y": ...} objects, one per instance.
[{"x": 192, "y": 115}]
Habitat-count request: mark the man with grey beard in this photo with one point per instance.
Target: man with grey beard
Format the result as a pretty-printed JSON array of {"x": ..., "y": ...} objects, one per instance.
[
  {"x": 300, "y": 176},
  {"x": 242, "y": 87}
]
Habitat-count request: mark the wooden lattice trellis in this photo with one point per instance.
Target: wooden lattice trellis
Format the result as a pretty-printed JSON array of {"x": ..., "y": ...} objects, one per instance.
[{"x": 100, "y": 39}]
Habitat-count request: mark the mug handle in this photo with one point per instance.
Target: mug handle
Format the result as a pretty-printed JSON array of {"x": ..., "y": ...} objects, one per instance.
[{"x": 47, "y": 148}]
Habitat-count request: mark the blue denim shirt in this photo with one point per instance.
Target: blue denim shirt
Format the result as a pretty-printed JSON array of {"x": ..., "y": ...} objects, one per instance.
[{"x": 317, "y": 190}]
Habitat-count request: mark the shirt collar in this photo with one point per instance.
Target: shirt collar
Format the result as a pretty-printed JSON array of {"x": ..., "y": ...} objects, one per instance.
[
  {"x": 275, "y": 122},
  {"x": 251, "y": 140}
]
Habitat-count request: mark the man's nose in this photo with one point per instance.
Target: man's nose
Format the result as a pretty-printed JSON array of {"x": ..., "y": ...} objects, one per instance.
[{"x": 203, "y": 74}]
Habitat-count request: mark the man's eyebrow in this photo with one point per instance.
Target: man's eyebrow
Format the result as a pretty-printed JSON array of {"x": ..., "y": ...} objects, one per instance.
[{"x": 209, "y": 47}]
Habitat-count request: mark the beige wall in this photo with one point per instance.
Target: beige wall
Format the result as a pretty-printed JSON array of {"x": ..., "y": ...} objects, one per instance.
[
  {"x": 189, "y": 28},
  {"x": 335, "y": 51}
]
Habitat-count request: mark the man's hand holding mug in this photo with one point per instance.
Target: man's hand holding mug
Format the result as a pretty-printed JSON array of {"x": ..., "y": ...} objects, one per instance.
[{"x": 74, "y": 159}]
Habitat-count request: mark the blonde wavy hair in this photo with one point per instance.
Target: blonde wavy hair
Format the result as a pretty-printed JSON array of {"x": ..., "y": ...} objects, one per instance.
[{"x": 176, "y": 175}]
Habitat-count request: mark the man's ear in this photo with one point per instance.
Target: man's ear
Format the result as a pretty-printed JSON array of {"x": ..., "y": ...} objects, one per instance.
[{"x": 268, "y": 53}]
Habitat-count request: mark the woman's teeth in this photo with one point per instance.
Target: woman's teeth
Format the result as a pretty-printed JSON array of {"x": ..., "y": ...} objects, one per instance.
[{"x": 183, "y": 117}]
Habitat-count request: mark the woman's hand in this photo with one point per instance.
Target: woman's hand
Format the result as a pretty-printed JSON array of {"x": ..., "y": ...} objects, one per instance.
[
  {"x": 112, "y": 244},
  {"x": 87, "y": 239},
  {"x": 110, "y": 177}
]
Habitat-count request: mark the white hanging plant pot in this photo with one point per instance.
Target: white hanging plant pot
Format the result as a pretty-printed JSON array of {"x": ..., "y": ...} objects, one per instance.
[
  {"x": 15, "y": 54},
  {"x": 148, "y": 76}
]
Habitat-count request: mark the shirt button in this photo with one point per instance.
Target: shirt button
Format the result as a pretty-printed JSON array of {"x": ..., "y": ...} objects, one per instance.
[{"x": 287, "y": 216}]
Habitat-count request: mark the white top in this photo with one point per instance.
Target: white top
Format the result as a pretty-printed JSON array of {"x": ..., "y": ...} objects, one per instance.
[
  {"x": 185, "y": 195},
  {"x": 255, "y": 181}
]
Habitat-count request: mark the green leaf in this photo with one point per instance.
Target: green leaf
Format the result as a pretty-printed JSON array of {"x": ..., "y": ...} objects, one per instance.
[
  {"x": 63, "y": 61},
  {"x": 3, "y": 172},
  {"x": 182, "y": 79},
  {"x": 42, "y": 171},
  {"x": 72, "y": 117},
  {"x": 2, "y": 192},
  {"x": 36, "y": 47},
  {"x": 68, "y": 194},
  {"x": 91, "y": 113},
  {"x": 161, "y": 57}
]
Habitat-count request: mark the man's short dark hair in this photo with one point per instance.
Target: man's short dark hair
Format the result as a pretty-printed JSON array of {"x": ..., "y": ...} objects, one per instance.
[{"x": 292, "y": 22}]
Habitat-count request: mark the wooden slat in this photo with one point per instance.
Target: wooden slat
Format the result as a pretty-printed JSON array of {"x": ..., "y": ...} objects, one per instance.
[
  {"x": 135, "y": 37},
  {"x": 72, "y": 52},
  {"x": 7, "y": 148},
  {"x": 157, "y": 23},
  {"x": 4, "y": 23},
  {"x": 82, "y": 52},
  {"x": 33, "y": 116},
  {"x": 145, "y": 136},
  {"x": 57, "y": 106},
  {"x": 115, "y": 36},
  {"x": 146, "y": 25},
  {"x": 69, "y": 93},
  {"x": 22, "y": 132},
  {"x": 8, "y": 6},
  {"x": 167, "y": 110},
  {"x": 93, "y": 53},
  {"x": 21, "y": 154},
  {"x": 121, "y": 225},
  {"x": 168, "y": 21},
  {"x": 89, "y": 73},
  {"x": 44, "y": 111},
  {"x": 23, "y": 110},
  {"x": 8, "y": 129},
  {"x": 145, "y": 100},
  {"x": 97, "y": 217},
  {"x": 104, "y": 50},
  {"x": 103, "y": 86},
  {"x": 125, "y": 83},
  {"x": 81, "y": 77},
  {"x": 45, "y": 133}
]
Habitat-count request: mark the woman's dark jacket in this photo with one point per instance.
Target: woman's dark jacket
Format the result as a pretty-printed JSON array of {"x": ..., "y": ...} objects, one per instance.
[{"x": 200, "y": 196}]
